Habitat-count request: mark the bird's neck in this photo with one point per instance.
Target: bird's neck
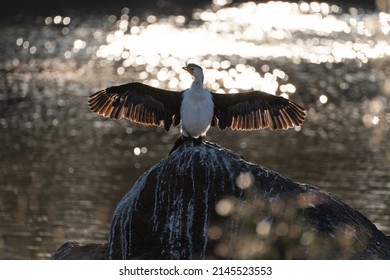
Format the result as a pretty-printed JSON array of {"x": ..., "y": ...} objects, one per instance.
[{"x": 197, "y": 83}]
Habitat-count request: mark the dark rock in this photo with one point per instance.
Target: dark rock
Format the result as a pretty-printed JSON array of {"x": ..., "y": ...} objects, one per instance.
[
  {"x": 204, "y": 201},
  {"x": 76, "y": 251}
]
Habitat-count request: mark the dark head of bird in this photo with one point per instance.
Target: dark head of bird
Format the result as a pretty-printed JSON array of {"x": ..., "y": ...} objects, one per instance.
[{"x": 195, "y": 70}]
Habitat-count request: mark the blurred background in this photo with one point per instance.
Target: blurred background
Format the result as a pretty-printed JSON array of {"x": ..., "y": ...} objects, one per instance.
[{"x": 64, "y": 169}]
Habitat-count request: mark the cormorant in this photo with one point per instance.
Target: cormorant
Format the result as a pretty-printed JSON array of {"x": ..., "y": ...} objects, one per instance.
[{"x": 196, "y": 108}]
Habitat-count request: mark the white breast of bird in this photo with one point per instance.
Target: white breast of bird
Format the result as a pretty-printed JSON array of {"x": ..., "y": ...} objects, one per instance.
[{"x": 196, "y": 112}]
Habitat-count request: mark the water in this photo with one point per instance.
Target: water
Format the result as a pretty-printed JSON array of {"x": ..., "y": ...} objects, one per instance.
[{"x": 64, "y": 169}]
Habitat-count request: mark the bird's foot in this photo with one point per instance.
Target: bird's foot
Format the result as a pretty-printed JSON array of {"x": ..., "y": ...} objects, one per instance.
[
  {"x": 197, "y": 141},
  {"x": 182, "y": 139}
]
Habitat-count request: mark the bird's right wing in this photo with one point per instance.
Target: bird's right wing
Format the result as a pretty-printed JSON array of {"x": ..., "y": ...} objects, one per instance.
[
  {"x": 139, "y": 103},
  {"x": 256, "y": 110}
]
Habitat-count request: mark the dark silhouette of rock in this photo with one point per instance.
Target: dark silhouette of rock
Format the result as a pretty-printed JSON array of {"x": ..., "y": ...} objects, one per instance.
[
  {"x": 76, "y": 251},
  {"x": 206, "y": 202}
]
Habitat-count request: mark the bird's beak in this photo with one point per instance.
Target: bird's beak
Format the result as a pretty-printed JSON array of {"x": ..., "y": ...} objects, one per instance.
[{"x": 187, "y": 69}]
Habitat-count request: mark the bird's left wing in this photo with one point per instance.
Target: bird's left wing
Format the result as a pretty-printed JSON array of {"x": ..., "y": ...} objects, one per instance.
[
  {"x": 139, "y": 103},
  {"x": 256, "y": 110}
]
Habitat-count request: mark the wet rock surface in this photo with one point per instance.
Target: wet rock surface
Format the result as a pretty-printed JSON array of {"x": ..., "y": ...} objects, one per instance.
[
  {"x": 206, "y": 202},
  {"x": 77, "y": 251}
]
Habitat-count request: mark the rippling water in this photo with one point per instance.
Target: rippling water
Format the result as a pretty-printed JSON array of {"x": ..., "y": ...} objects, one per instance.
[{"x": 63, "y": 169}]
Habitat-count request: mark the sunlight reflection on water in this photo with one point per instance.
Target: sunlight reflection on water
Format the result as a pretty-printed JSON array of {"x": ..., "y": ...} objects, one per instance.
[{"x": 250, "y": 30}]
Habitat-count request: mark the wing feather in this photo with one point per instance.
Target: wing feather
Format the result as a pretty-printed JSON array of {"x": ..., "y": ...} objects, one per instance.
[
  {"x": 256, "y": 110},
  {"x": 138, "y": 103}
]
